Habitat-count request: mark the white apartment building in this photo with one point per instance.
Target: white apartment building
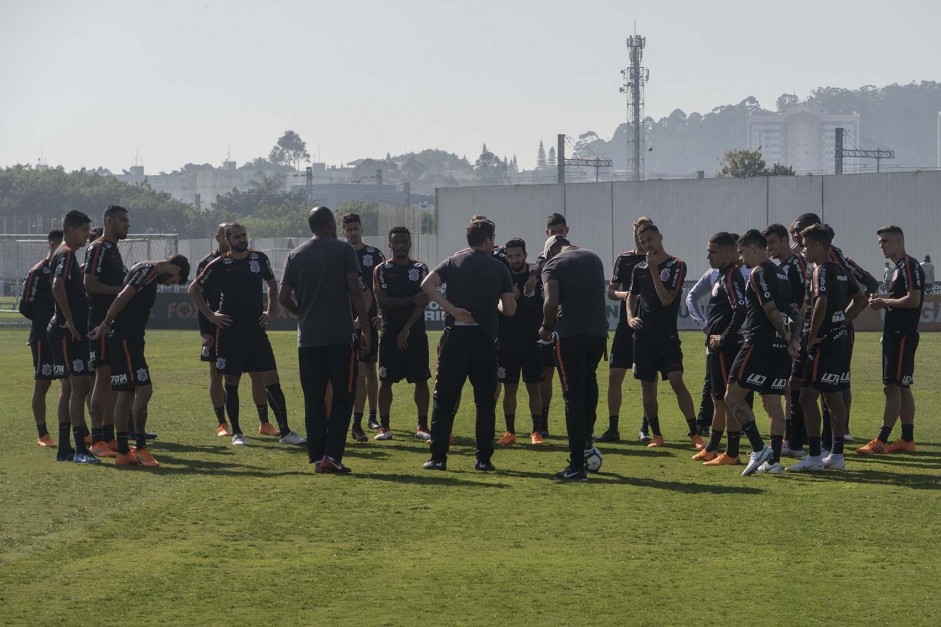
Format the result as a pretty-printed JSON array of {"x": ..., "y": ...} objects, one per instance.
[{"x": 801, "y": 137}]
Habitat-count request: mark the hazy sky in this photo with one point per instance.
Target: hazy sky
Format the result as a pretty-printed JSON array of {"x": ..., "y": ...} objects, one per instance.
[{"x": 94, "y": 83}]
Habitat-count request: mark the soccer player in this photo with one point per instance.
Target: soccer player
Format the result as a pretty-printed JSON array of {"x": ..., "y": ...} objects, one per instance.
[
  {"x": 902, "y": 307},
  {"x": 208, "y": 353},
  {"x": 321, "y": 285},
  {"x": 723, "y": 342},
  {"x": 403, "y": 343},
  {"x": 652, "y": 307},
  {"x": 867, "y": 284},
  {"x": 124, "y": 325},
  {"x": 37, "y": 306},
  {"x": 827, "y": 370},
  {"x": 575, "y": 316},
  {"x": 621, "y": 358},
  {"x": 367, "y": 385},
  {"x": 519, "y": 352},
  {"x": 794, "y": 267},
  {"x": 103, "y": 277},
  {"x": 763, "y": 361},
  {"x": 241, "y": 342},
  {"x": 67, "y": 337},
  {"x": 555, "y": 225},
  {"x": 478, "y": 287}
]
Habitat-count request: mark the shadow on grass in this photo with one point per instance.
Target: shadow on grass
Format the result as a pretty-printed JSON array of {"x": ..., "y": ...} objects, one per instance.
[
  {"x": 437, "y": 478},
  {"x": 185, "y": 466},
  {"x": 176, "y": 447},
  {"x": 877, "y": 477},
  {"x": 645, "y": 482}
]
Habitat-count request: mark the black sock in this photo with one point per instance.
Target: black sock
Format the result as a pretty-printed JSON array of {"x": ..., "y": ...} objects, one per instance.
[
  {"x": 107, "y": 433},
  {"x": 372, "y": 415},
  {"x": 510, "y": 422},
  {"x": 96, "y": 434},
  {"x": 65, "y": 434},
  {"x": 787, "y": 430},
  {"x": 423, "y": 422},
  {"x": 262, "y": 413},
  {"x": 797, "y": 433},
  {"x": 130, "y": 424},
  {"x": 884, "y": 434},
  {"x": 813, "y": 443},
  {"x": 123, "y": 447},
  {"x": 837, "y": 447},
  {"x": 232, "y": 407},
  {"x": 220, "y": 414},
  {"x": 80, "y": 447},
  {"x": 735, "y": 437},
  {"x": 754, "y": 438},
  {"x": 776, "y": 441},
  {"x": 279, "y": 406},
  {"x": 654, "y": 422},
  {"x": 84, "y": 429},
  {"x": 613, "y": 423},
  {"x": 826, "y": 435},
  {"x": 537, "y": 419},
  {"x": 358, "y": 420},
  {"x": 908, "y": 432},
  {"x": 41, "y": 429},
  {"x": 693, "y": 429},
  {"x": 141, "y": 441},
  {"x": 384, "y": 421},
  {"x": 644, "y": 424},
  {"x": 544, "y": 424},
  {"x": 715, "y": 436}
]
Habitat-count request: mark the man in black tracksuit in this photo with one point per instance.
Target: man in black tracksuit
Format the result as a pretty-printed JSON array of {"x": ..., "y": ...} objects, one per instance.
[
  {"x": 574, "y": 312},
  {"x": 478, "y": 287}
]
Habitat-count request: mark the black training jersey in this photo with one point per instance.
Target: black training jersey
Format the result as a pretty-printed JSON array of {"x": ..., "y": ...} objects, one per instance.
[
  {"x": 132, "y": 321},
  {"x": 65, "y": 266},
  {"x": 866, "y": 281},
  {"x": 400, "y": 281},
  {"x": 659, "y": 320},
  {"x": 210, "y": 295},
  {"x": 240, "y": 283},
  {"x": 522, "y": 330},
  {"x": 36, "y": 302},
  {"x": 766, "y": 284},
  {"x": 103, "y": 261},
  {"x": 795, "y": 268},
  {"x": 621, "y": 277},
  {"x": 475, "y": 281},
  {"x": 370, "y": 258},
  {"x": 907, "y": 276},
  {"x": 833, "y": 282},
  {"x": 727, "y": 298}
]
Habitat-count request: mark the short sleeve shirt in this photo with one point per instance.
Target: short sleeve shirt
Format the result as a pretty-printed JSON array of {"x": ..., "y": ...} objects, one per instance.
[
  {"x": 370, "y": 258},
  {"x": 582, "y": 299},
  {"x": 727, "y": 297},
  {"x": 132, "y": 321},
  {"x": 908, "y": 275},
  {"x": 103, "y": 261},
  {"x": 36, "y": 302},
  {"x": 659, "y": 320},
  {"x": 240, "y": 285},
  {"x": 522, "y": 330},
  {"x": 400, "y": 281},
  {"x": 832, "y": 281},
  {"x": 621, "y": 276},
  {"x": 317, "y": 273},
  {"x": 475, "y": 280},
  {"x": 765, "y": 285},
  {"x": 65, "y": 266}
]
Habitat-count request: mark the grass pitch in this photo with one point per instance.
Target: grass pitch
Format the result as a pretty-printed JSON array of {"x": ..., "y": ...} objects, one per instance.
[{"x": 250, "y": 535}]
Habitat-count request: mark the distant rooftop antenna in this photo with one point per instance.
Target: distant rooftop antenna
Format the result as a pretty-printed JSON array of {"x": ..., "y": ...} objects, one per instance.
[{"x": 635, "y": 79}]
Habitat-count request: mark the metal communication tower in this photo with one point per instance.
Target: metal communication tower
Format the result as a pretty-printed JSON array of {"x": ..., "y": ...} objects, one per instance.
[{"x": 635, "y": 78}]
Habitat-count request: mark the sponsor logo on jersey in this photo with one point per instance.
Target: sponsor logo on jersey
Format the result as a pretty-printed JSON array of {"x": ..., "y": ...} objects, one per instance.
[
  {"x": 58, "y": 370},
  {"x": 756, "y": 379},
  {"x": 253, "y": 256},
  {"x": 119, "y": 379},
  {"x": 227, "y": 261}
]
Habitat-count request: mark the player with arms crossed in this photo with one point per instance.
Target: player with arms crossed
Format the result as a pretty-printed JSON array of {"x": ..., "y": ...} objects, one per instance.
[
  {"x": 902, "y": 307},
  {"x": 241, "y": 342},
  {"x": 403, "y": 343},
  {"x": 124, "y": 325}
]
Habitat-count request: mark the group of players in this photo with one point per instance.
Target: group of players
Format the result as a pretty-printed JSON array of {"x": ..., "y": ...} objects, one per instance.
[{"x": 778, "y": 322}]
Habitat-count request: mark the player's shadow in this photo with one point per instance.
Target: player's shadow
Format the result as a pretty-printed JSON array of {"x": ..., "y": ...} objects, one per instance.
[
  {"x": 647, "y": 482},
  {"x": 437, "y": 478},
  {"x": 918, "y": 461},
  {"x": 187, "y": 466},
  {"x": 176, "y": 447},
  {"x": 663, "y": 452},
  {"x": 878, "y": 477}
]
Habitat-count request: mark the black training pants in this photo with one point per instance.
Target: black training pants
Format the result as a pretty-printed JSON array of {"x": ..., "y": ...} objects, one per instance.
[
  {"x": 326, "y": 435},
  {"x": 577, "y": 359}
]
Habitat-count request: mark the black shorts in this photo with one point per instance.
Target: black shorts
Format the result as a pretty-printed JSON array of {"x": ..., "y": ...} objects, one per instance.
[
  {"x": 622, "y": 348},
  {"x": 410, "y": 364},
  {"x": 238, "y": 351},
  {"x": 548, "y": 355},
  {"x": 43, "y": 370},
  {"x": 653, "y": 355},
  {"x": 69, "y": 358},
  {"x": 763, "y": 367},
  {"x": 128, "y": 366},
  {"x": 97, "y": 349},
  {"x": 208, "y": 353},
  {"x": 797, "y": 367},
  {"x": 898, "y": 359},
  {"x": 828, "y": 366},
  {"x": 719, "y": 365},
  {"x": 514, "y": 360},
  {"x": 373, "y": 355}
]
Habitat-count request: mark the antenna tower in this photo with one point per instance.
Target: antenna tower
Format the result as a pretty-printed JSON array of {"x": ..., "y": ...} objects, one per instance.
[{"x": 635, "y": 79}]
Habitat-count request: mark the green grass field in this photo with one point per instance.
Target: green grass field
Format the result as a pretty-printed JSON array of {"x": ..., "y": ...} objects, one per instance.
[{"x": 251, "y": 535}]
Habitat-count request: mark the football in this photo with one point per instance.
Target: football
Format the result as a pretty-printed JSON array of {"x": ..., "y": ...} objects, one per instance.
[{"x": 593, "y": 459}]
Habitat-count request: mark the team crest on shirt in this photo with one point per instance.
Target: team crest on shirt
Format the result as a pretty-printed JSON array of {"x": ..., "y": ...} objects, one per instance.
[
  {"x": 142, "y": 375},
  {"x": 414, "y": 274},
  {"x": 383, "y": 372},
  {"x": 665, "y": 275},
  {"x": 46, "y": 370},
  {"x": 78, "y": 365},
  {"x": 227, "y": 261},
  {"x": 367, "y": 260},
  {"x": 254, "y": 266},
  {"x": 253, "y": 256},
  {"x": 220, "y": 364}
]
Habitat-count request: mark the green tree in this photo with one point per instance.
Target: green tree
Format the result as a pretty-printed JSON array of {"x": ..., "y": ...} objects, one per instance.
[
  {"x": 489, "y": 169},
  {"x": 742, "y": 164},
  {"x": 290, "y": 150},
  {"x": 541, "y": 157},
  {"x": 779, "y": 169}
]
